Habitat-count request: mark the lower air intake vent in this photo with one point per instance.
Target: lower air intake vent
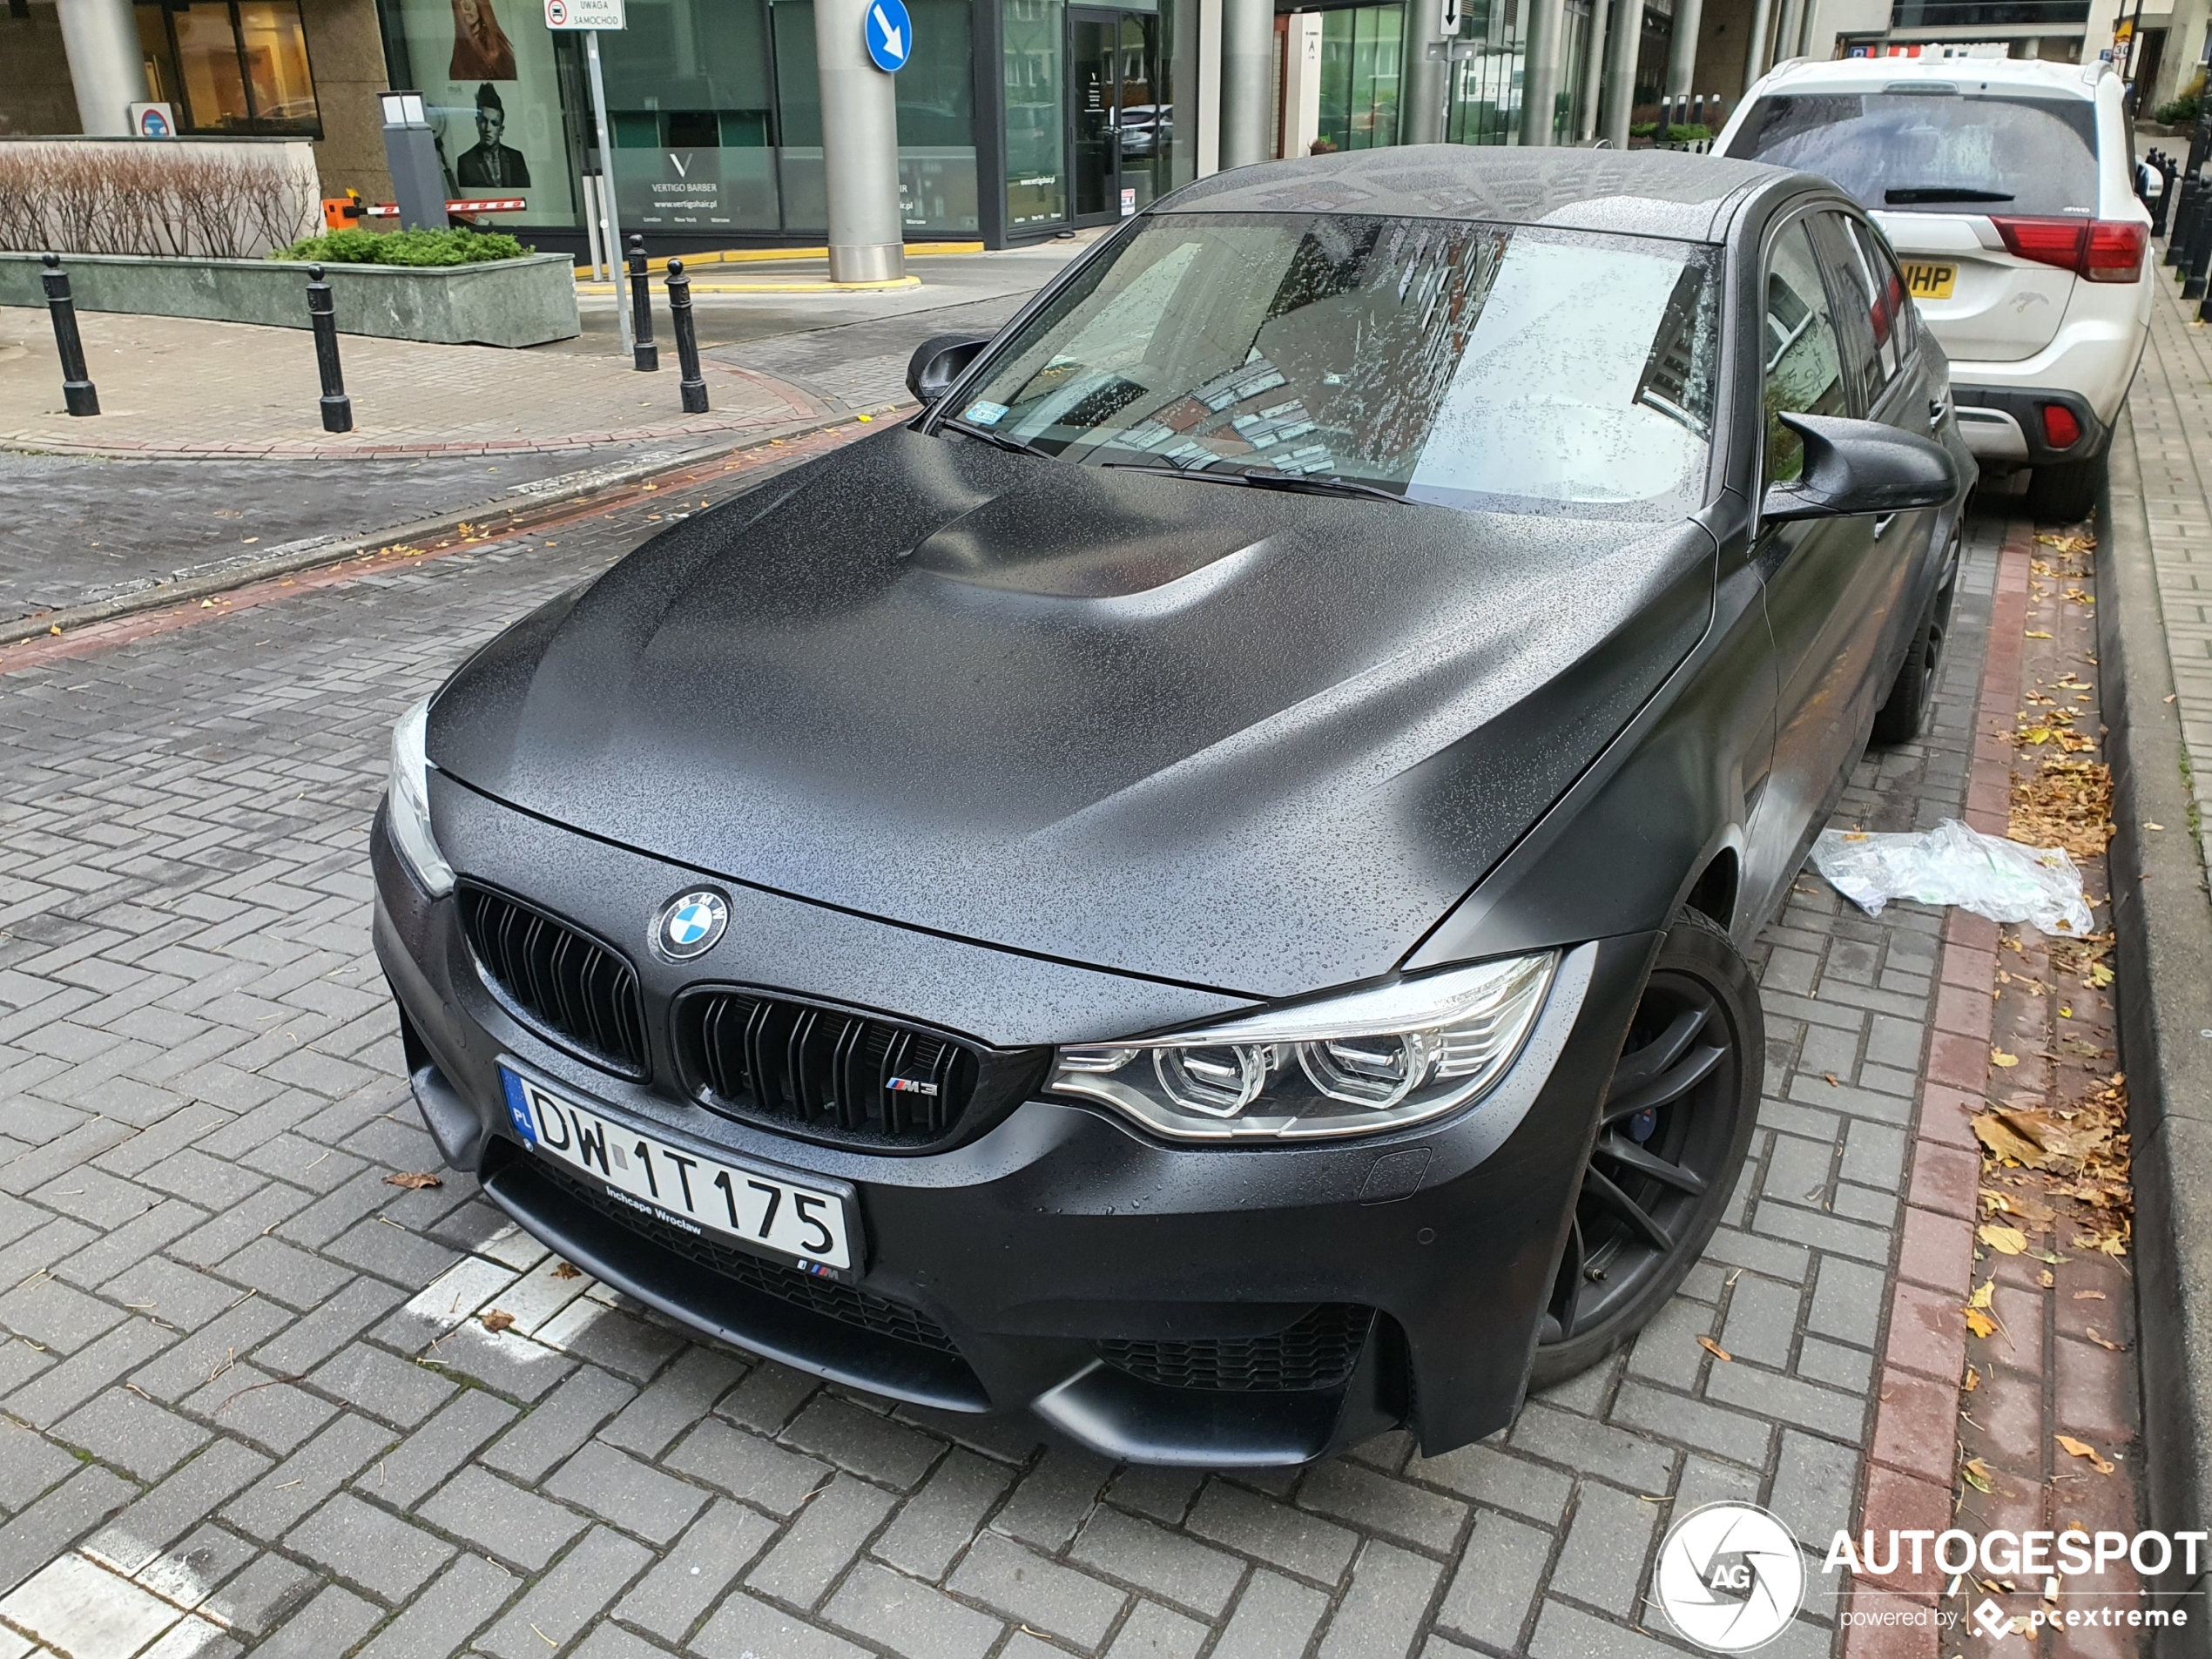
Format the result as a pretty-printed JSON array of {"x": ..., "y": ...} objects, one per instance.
[
  {"x": 841, "y": 1076},
  {"x": 579, "y": 992},
  {"x": 1318, "y": 1351}
]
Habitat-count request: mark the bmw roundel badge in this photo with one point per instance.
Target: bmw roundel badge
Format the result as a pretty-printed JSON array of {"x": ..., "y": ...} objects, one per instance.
[{"x": 689, "y": 924}]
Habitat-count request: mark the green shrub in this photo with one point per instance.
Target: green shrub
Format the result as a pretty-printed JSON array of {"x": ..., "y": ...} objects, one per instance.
[
  {"x": 405, "y": 247},
  {"x": 1644, "y": 130},
  {"x": 2179, "y": 114},
  {"x": 1688, "y": 133}
]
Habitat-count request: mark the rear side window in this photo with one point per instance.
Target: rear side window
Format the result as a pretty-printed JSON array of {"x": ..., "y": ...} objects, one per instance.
[{"x": 1920, "y": 153}]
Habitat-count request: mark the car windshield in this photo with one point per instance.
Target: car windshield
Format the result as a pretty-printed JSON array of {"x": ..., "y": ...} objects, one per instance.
[
  {"x": 1940, "y": 151},
  {"x": 1487, "y": 366}
]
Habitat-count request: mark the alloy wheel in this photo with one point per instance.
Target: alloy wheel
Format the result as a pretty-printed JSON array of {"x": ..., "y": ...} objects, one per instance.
[{"x": 1667, "y": 1141}]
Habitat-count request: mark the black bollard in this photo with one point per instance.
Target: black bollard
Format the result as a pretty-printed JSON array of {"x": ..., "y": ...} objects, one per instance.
[
  {"x": 2187, "y": 205},
  {"x": 77, "y": 390},
  {"x": 2200, "y": 250},
  {"x": 2167, "y": 173},
  {"x": 645, "y": 355},
  {"x": 322, "y": 317},
  {"x": 687, "y": 339}
]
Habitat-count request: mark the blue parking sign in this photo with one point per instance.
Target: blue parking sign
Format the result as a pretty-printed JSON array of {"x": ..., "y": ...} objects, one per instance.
[{"x": 889, "y": 33}]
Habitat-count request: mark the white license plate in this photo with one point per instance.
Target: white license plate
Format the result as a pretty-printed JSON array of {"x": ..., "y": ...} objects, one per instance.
[{"x": 738, "y": 1201}]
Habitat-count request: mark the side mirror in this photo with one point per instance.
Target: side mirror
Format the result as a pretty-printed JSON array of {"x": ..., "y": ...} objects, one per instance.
[
  {"x": 1855, "y": 468},
  {"x": 940, "y": 361}
]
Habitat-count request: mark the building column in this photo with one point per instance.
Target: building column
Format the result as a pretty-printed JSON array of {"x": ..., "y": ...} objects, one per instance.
[
  {"x": 1793, "y": 25},
  {"x": 1682, "y": 61},
  {"x": 1247, "y": 69},
  {"x": 1621, "y": 70},
  {"x": 1540, "y": 79},
  {"x": 1593, "y": 70},
  {"x": 1425, "y": 73},
  {"x": 106, "y": 68},
  {"x": 867, "y": 242},
  {"x": 1755, "y": 47}
]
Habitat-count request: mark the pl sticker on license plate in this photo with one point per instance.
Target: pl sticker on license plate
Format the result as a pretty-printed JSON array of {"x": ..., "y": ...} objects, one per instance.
[
  {"x": 1925, "y": 281},
  {"x": 762, "y": 1211}
]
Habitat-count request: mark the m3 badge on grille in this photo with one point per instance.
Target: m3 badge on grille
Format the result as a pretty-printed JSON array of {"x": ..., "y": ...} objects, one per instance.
[{"x": 691, "y": 924}]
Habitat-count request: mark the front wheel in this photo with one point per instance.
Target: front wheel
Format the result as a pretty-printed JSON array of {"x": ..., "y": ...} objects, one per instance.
[{"x": 1670, "y": 1142}]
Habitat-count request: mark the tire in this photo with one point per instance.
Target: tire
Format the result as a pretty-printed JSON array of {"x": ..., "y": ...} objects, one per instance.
[
  {"x": 1687, "y": 1083},
  {"x": 2067, "y": 493},
  {"x": 1904, "y": 716}
]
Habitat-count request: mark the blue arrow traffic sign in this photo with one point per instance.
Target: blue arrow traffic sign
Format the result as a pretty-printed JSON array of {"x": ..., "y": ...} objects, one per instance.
[{"x": 889, "y": 33}]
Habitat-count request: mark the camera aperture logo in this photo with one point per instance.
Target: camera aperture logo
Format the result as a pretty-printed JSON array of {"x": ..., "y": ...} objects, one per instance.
[{"x": 1729, "y": 1577}]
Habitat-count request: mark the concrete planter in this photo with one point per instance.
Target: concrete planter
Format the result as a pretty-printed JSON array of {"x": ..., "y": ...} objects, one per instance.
[{"x": 503, "y": 302}]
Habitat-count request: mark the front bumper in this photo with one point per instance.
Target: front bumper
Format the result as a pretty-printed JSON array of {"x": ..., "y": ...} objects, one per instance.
[{"x": 1045, "y": 1266}]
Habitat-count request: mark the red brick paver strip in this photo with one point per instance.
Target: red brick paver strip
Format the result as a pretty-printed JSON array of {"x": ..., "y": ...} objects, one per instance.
[{"x": 1967, "y": 1427}]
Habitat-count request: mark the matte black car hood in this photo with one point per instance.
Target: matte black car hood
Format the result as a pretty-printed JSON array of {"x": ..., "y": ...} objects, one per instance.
[{"x": 1229, "y": 736}]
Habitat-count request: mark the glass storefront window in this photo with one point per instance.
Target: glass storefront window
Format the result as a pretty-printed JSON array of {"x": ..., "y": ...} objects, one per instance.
[
  {"x": 1037, "y": 136},
  {"x": 1359, "y": 72},
  {"x": 489, "y": 76},
  {"x": 230, "y": 68}
]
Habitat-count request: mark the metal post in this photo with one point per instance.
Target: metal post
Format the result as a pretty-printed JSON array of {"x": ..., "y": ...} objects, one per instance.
[
  {"x": 1540, "y": 81},
  {"x": 1425, "y": 77},
  {"x": 1247, "y": 80},
  {"x": 687, "y": 339},
  {"x": 1622, "y": 45},
  {"x": 644, "y": 357},
  {"x": 337, "y": 408},
  {"x": 2167, "y": 173},
  {"x": 1593, "y": 71},
  {"x": 607, "y": 184},
  {"x": 77, "y": 389},
  {"x": 867, "y": 235},
  {"x": 589, "y": 184},
  {"x": 2177, "y": 222}
]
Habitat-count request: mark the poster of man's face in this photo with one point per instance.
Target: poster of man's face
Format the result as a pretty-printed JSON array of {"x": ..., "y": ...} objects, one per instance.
[{"x": 490, "y": 164}]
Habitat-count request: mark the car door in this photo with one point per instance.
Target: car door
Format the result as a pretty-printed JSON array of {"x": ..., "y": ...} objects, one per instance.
[
  {"x": 1875, "y": 325},
  {"x": 1820, "y": 575}
]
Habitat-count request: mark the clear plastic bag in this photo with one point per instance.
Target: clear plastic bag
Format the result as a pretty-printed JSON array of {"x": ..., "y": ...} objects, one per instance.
[{"x": 1952, "y": 865}]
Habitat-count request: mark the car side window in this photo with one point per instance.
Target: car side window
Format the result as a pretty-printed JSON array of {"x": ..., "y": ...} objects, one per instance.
[
  {"x": 1905, "y": 316},
  {"x": 1804, "y": 357}
]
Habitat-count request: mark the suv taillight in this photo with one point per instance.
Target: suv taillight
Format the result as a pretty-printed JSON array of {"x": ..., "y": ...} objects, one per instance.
[{"x": 2104, "y": 250}]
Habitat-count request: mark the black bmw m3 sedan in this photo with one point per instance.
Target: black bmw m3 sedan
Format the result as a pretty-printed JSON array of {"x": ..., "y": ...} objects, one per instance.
[{"x": 1196, "y": 890}]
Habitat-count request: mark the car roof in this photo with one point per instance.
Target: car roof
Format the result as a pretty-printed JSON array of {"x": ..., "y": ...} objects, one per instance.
[
  {"x": 1645, "y": 193},
  {"x": 1967, "y": 74}
]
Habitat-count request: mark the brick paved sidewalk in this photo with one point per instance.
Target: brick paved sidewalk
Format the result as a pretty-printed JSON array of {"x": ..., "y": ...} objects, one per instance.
[
  {"x": 248, "y": 1404},
  {"x": 178, "y": 388}
]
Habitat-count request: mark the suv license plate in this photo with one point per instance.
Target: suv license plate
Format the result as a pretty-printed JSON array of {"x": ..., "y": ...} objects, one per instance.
[
  {"x": 764, "y": 1212},
  {"x": 1931, "y": 281}
]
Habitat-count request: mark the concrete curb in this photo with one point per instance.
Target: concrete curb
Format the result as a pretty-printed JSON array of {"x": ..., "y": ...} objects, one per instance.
[
  {"x": 2161, "y": 919},
  {"x": 199, "y": 582}
]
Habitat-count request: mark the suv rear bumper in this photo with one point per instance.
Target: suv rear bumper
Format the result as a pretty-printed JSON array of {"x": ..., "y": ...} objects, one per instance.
[{"x": 2005, "y": 425}]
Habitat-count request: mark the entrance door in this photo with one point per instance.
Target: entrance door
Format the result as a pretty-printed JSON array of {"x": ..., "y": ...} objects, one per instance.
[{"x": 1117, "y": 123}]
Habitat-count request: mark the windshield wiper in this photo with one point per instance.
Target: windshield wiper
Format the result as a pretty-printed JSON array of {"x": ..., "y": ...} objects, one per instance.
[
  {"x": 1918, "y": 195},
  {"x": 1308, "y": 483},
  {"x": 1003, "y": 439}
]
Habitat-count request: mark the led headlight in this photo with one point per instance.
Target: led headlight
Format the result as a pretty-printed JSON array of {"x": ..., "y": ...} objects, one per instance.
[
  {"x": 406, "y": 803},
  {"x": 1352, "y": 1065}
]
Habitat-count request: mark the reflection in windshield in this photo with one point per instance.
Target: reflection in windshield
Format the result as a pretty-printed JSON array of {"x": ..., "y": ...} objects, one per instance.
[{"x": 1466, "y": 364}]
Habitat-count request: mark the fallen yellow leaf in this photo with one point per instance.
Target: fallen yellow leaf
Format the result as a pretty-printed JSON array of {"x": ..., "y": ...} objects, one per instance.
[
  {"x": 1980, "y": 1324},
  {"x": 1714, "y": 1348},
  {"x": 2035, "y": 633},
  {"x": 2083, "y": 1449},
  {"x": 1977, "y": 1473},
  {"x": 1999, "y": 1057},
  {"x": 2007, "y": 1241}
]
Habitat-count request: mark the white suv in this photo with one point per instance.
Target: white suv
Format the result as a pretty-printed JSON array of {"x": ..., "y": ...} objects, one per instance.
[{"x": 2003, "y": 186}]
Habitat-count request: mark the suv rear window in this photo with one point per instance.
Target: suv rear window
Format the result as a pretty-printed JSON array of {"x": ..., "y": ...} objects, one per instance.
[{"x": 1942, "y": 152}]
